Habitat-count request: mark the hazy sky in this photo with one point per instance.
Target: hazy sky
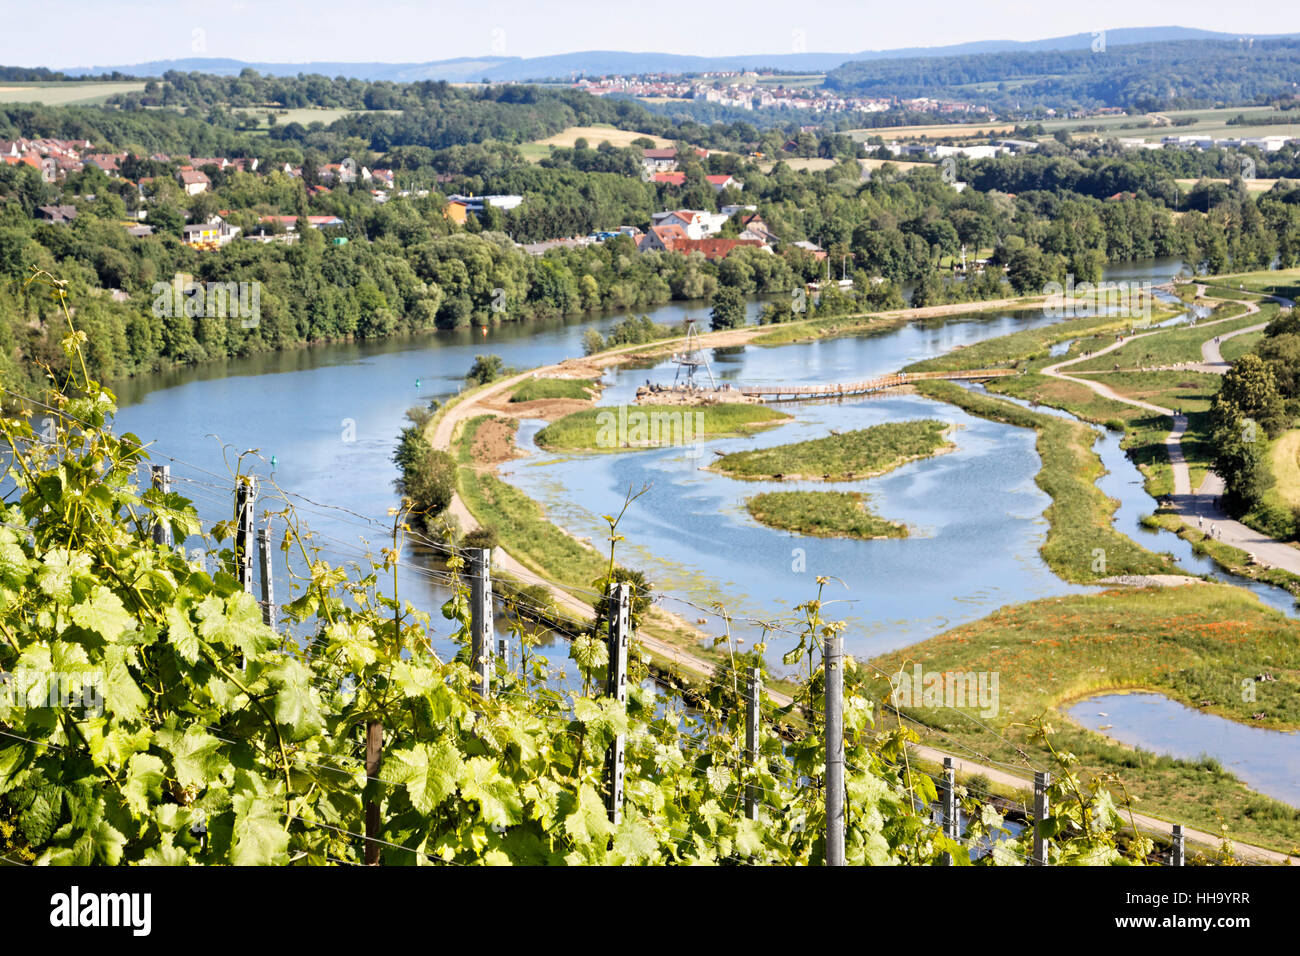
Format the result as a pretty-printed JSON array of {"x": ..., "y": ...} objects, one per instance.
[{"x": 60, "y": 33}]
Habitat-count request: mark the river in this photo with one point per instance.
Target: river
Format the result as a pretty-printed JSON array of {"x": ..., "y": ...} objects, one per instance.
[{"x": 330, "y": 415}]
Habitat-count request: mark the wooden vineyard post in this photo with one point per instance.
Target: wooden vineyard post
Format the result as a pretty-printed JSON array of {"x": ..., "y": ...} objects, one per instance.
[
  {"x": 1177, "y": 850},
  {"x": 619, "y": 603},
  {"x": 374, "y": 757}
]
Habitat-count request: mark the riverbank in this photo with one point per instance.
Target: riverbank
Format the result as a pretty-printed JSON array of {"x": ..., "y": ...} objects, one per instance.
[
  {"x": 1082, "y": 546},
  {"x": 1194, "y": 644},
  {"x": 1168, "y": 442}
]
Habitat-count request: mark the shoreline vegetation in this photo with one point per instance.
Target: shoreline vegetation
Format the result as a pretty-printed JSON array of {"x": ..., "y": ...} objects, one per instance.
[
  {"x": 862, "y": 453},
  {"x": 823, "y": 514},
  {"x": 1082, "y": 545}
]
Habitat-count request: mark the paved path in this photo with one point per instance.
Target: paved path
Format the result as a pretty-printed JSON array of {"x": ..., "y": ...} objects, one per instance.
[{"x": 1199, "y": 506}]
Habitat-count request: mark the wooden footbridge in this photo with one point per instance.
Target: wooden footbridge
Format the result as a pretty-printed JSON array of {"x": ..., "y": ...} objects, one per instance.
[{"x": 794, "y": 393}]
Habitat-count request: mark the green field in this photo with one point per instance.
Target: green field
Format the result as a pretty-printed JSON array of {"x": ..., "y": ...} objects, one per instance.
[
  {"x": 853, "y": 455},
  {"x": 1171, "y": 347},
  {"x": 824, "y": 514},
  {"x": 619, "y": 427},
  {"x": 1234, "y": 348},
  {"x": 1209, "y": 122},
  {"x": 539, "y": 388},
  {"x": 71, "y": 93},
  {"x": 1194, "y": 643},
  {"x": 1283, "y": 282}
]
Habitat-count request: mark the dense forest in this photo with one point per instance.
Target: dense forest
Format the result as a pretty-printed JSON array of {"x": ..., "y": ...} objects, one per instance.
[{"x": 1184, "y": 74}]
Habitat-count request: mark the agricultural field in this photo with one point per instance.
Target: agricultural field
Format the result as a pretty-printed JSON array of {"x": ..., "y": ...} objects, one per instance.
[
  {"x": 936, "y": 131},
  {"x": 1252, "y": 185},
  {"x": 72, "y": 93},
  {"x": 594, "y": 135},
  {"x": 1210, "y": 122}
]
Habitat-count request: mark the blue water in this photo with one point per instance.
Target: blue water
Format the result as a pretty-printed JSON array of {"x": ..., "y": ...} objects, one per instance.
[{"x": 1265, "y": 760}]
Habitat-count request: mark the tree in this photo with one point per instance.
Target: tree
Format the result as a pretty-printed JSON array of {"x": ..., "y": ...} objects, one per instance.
[
  {"x": 486, "y": 368},
  {"x": 426, "y": 477},
  {"x": 728, "y": 309},
  {"x": 1249, "y": 391}
]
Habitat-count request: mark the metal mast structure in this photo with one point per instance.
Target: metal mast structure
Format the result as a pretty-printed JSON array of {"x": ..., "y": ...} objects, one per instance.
[{"x": 691, "y": 359}]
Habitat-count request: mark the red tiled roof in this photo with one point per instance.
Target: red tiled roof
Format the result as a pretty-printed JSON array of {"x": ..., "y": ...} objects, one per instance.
[
  {"x": 713, "y": 248},
  {"x": 672, "y": 179}
]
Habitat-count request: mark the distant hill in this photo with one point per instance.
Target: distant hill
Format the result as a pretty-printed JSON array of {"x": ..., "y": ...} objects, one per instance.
[
  {"x": 598, "y": 62},
  {"x": 1172, "y": 74}
]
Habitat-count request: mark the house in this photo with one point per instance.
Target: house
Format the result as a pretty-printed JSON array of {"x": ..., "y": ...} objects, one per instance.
[
  {"x": 209, "y": 235},
  {"x": 344, "y": 172},
  {"x": 698, "y": 223},
  {"x": 48, "y": 166},
  {"x": 669, "y": 179},
  {"x": 753, "y": 227},
  {"x": 658, "y": 160},
  {"x": 476, "y": 204},
  {"x": 57, "y": 214},
  {"x": 816, "y": 251},
  {"x": 715, "y": 249},
  {"x": 193, "y": 181},
  {"x": 139, "y": 232},
  {"x": 457, "y": 212},
  {"x": 384, "y": 178},
  {"x": 290, "y": 223},
  {"x": 723, "y": 181},
  {"x": 110, "y": 163},
  {"x": 662, "y": 238}
]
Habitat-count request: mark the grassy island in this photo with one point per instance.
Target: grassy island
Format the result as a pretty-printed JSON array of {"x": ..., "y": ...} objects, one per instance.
[
  {"x": 852, "y": 455},
  {"x": 826, "y": 514},
  {"x": 618, "y": 427}
]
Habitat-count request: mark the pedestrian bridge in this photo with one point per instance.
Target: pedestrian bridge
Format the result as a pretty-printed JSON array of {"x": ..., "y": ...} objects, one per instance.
[{"x": 790, "y": 393}]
